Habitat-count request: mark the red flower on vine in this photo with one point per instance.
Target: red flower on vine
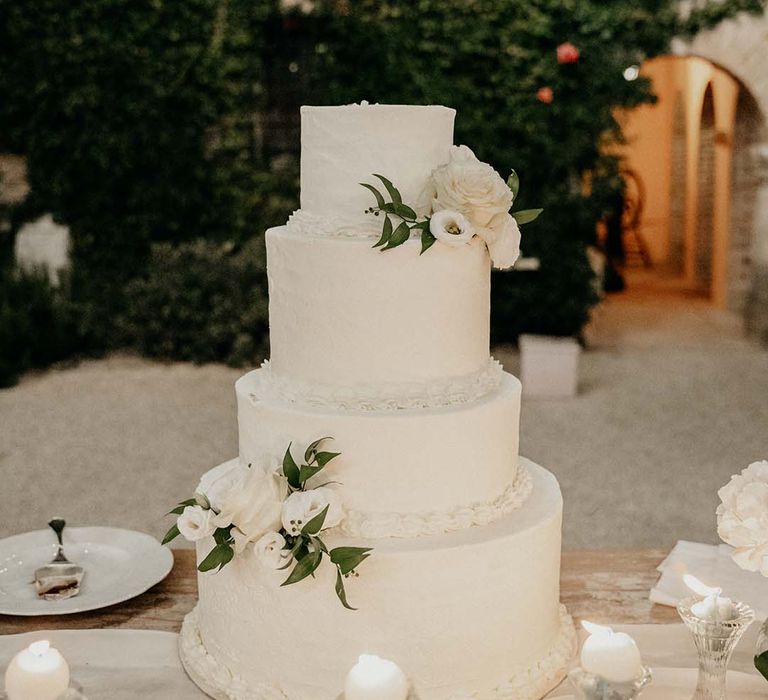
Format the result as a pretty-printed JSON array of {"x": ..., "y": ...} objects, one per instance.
[
  {"x": 567, "y": 53},
  {"x": 545, "y": 95}
]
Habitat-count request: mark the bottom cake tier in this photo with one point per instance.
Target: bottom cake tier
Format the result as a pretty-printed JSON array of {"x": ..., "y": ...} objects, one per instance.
[{"x": 469, "y": 615}]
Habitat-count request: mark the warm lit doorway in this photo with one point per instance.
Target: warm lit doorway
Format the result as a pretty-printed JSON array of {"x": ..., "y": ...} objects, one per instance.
[{"x": 695, "y": 151}]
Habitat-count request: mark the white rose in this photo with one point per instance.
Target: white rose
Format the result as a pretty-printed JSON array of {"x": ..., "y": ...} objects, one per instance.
[
  {"x": 742, "y": 517},
  {"x": 502, "y": 237},
  {"x": 451, "y": 227},
  {"x": 269, "y": 550},
  {"x": 253, "y": 502},
  {"x": 301, "y": 506},
  {"x": 196, "y": 523},
  {"x": 470, "y": 186},
  {"x": 216, "y": 483}
]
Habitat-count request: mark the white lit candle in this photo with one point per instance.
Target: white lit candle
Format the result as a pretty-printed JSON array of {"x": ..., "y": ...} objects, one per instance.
[
  {"x": 38, "y": 672},
  {"x": 715, "y": 607},
  {"x": 611, "y": 655},
  {"x": 374, "y": 678}
]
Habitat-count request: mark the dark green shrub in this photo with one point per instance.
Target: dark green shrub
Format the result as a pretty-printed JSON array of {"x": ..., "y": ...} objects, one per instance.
[
  {"x": 38, "y": 324},
  {"x": 199, "y": 301}
]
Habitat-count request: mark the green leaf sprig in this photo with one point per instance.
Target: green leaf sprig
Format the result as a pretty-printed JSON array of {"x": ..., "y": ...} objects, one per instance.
[
  {"x": 393, "y": 236},
  {"x": 306, "y": 550}
]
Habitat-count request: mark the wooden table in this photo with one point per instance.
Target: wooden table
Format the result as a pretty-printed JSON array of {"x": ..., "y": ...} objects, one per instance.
[{"x": 603, "y": 586}]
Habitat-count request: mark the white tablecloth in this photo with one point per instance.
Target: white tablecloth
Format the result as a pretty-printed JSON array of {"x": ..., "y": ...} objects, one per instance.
[{"x": 130, "y": 664}]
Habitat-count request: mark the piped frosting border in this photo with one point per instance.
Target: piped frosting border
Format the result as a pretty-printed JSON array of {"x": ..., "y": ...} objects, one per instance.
[
  {"x": 438, "y": 393},
  {"x": 382, "y": 525},
  {"x": 218, "y": 681}
]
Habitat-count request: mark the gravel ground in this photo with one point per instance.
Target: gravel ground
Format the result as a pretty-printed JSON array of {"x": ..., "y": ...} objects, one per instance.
[{"x": 673, "y": 400}]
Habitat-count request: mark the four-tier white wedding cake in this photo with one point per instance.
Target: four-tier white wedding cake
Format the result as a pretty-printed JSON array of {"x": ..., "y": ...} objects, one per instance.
[{"x": 386, "y": 350}]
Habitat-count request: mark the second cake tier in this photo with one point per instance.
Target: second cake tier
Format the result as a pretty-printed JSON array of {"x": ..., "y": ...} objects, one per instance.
[{"x": 403, "y": 473}]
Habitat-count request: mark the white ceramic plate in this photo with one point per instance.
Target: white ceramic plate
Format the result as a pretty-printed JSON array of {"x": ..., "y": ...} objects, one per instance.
[
  {"x": 119, "y": 565},
  {"x": 679, "y": 684}
]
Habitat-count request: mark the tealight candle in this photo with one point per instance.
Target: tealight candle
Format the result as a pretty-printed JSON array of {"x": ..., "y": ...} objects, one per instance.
[
  {"x": 611, "y": 655},
  {"x": 715, "y": 607},
  {"x": 38, "y": 672},
  {"x": 374, "y": 678}
]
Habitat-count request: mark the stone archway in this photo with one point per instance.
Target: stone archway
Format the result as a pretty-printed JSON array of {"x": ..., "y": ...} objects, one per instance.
[{"x": 738, "y": 45}]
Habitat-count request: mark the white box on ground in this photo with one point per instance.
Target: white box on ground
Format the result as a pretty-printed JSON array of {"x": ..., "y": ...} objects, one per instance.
[
  {"x": 43, "y": 244},
  {"x": 549, "y": 366}
]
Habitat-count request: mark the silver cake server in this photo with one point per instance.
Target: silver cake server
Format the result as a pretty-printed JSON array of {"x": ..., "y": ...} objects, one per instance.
[{"x": 61, "y": 578}]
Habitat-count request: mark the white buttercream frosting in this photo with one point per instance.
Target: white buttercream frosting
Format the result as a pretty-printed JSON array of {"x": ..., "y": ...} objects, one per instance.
[
  {"x": 407, "y": 461},
  {"x": 344, "y": 146},
  {"x": 344, "y": 314},
  {"x": 221, "y": 683},
  {"x": 381, "y": 396},
  {"x": 421, "y": 603},
  {"x": 380, "y": 525}
]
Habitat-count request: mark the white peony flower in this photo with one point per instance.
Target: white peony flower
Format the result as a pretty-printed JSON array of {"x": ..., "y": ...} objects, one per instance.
[
  {"x": 269, "y": 550},
  {"x": 451, "y": 227},
  {"x": 301, "y": 506},
  {"x": 196, "y": 523},
  {"x": 471, "y": 187},
  {"x": 742, "y": 517},
  {"x": 502, "y": 237},
  {"x": 253, "y": 502}
]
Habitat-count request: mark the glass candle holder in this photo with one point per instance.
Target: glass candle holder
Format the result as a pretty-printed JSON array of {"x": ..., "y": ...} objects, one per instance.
[
  {"x": 715, "y": 641},
  {"x": 589, "y": 686}
]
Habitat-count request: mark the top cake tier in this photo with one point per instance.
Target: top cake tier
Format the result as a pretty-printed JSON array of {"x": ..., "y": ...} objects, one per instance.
[{"x": 343, "y": 146}]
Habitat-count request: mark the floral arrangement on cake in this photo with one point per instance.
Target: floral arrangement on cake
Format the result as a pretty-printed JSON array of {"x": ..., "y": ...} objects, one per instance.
[
  {"x": 468, "y": 198},
  {"x": 270, "y": 510}
]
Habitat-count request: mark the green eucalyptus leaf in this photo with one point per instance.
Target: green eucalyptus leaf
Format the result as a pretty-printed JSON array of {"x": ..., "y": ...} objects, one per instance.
[
  {"x": 401, "y": 210},
  {"x": 376, "y": 193},
  {"x": 291, "y": 469},
  {"x": 386, "y": 232},
  {"x": 427, "y": 240},
  {"x": 172, "y": 534},
  {"x": 340, "y": 590},
  {"x": 304, "y": 568},
  {"x": 323, "y": 458},
  {"x": 307, "y": 472},
  {"x": 401, "y": 234},
  {"x": 312, "y": 449},
  {"x": 221, "y": 535},
  {"x": 319, "y": 544},
  {"x": 315, "y": 524},
  {"x": 525, "y": 216},
  {"x": 513, "y": 182},
  {"x": 179, "y": 509},
  {"x": 218, "y": 557},
  {"x": 394, "y": 193},
  {"x": 349, "y": 558},
  {"x": 761, "y": 664}
]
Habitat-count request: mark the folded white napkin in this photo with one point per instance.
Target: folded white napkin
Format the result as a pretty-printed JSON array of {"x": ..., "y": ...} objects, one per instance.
[{"x": 714, "y": 566}]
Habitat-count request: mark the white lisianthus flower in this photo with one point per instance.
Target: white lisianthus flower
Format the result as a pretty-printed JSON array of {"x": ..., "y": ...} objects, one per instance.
[
  {"x": 215, "y": 484},
  {"x": 253, "y": 502},
  {"x": 301, "y": 506},
  {"x": 196, "y": 523},
  {"x": 451, "y": 227},
  {"x": 742, "y": 517},
  {"x": 269, "y": 550},
  {"x": 502, "y": 237},
  {"x": 471, "y": 187}
]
